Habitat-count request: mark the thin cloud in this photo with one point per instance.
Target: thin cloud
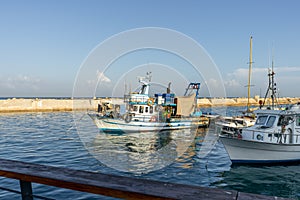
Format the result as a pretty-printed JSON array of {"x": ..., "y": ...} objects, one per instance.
[
  {"x": 20, "y": 82},
  {"x": 236, "y": 82},
  {"x": 100, "y": 78},
  {"x": 287, "y": 69}
]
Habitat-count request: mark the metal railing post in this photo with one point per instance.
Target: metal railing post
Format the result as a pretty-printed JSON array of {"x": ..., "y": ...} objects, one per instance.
[{"x": 26, "y": 190}]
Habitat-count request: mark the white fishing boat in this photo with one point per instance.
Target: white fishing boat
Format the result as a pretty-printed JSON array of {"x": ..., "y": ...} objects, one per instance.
[
  {"x": 274, "y": 138},
  {"x": 231, "y": 126},
  {"x": 145, "y": 113}
]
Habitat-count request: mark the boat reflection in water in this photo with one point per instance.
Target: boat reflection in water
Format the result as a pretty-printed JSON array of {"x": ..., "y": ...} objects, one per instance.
[
  {"x": 142, "y": 152},
  {"x": 187, "y": 159}
]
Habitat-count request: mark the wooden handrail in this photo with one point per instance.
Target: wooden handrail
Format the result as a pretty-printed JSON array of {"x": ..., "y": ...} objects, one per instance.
[{"x": 110, "y": 185}]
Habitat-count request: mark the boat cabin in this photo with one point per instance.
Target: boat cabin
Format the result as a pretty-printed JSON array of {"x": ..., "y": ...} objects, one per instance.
[
  {"x": 142, "y": 112},
  {"x": 150, "y": 112},
  {"x": 274, "y": 126}
]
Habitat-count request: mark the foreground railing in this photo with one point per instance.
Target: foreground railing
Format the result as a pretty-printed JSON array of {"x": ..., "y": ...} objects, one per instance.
[{"x": 108, "y": 185}]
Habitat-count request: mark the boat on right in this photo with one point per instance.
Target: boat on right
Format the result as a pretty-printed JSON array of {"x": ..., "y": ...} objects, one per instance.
[{"x": 274, "y": 138}]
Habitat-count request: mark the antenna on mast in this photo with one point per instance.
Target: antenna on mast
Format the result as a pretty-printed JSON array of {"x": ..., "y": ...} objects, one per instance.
[
  {"x": 149, "y": 76},
  {"x": 272, "y": 86}
]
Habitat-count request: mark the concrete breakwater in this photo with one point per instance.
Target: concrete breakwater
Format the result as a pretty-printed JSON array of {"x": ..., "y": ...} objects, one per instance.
[
  {"x": 240, "y": 101},
  {"x": 46, "y": 105}
]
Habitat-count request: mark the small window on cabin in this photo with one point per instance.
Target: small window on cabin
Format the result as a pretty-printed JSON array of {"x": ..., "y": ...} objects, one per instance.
[
  {"x": 298, "y": 121},
  {"x": 141, "y": 110},
  {"x": 285, "y": 120},
  {"x": 280, "y": 121},
  {"x": 135, "y": 108},
  {"x": 151, "y": 109},
  {"x": 271, "y": 121},
  {"x": 261, "y": 120},
  {"x": 146, "y": 109}
]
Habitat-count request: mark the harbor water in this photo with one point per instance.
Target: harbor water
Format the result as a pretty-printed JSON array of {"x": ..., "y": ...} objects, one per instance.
[{"x": 51, "y": 138}]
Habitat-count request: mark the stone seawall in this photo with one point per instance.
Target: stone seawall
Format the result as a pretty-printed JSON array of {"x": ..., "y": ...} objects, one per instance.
[
  {"x": 48, "y": 105},
  {"x": 44, "y": 105},
  {"x": 203, "y": 102}
]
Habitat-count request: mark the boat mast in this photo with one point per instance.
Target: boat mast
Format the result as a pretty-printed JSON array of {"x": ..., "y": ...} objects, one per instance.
[
  {"x": 272, "y": 87},
  {"x": 249, "y": 75},
  {"x": 273, "y": 95}
]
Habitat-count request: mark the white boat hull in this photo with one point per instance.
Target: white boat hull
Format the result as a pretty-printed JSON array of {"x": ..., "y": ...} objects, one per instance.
[
  {"x": 119, "y": 125},
  {"x": 245, "y": 151}
]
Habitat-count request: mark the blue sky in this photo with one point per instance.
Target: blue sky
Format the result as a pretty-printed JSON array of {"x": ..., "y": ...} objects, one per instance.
[{"x": 44, "y": 43}]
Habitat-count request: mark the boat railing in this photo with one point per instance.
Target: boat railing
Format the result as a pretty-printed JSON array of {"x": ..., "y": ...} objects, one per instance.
[
  {"x": 146, "y": 118},
  {"x": 287, "y": 137},
  {"x": 136, "y": 99},
  {"x": 141, "y": 118}
]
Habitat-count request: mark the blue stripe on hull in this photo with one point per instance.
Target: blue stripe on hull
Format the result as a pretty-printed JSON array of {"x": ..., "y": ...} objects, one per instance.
[{"x": 121, "y": 131}]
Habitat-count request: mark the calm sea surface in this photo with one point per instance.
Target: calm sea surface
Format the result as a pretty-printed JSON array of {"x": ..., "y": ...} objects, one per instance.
[{"x": 53, "y": 139}]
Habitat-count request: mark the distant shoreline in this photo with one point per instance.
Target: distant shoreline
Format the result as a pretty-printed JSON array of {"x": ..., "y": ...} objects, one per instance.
[{"x": 67, "y": 104}]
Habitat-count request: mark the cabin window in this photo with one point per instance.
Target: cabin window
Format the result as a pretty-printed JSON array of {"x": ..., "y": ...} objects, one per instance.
[
  {"x": 240, "y": 122},
  {"x": 271, "y": 121},
  {"x": 261, "y": 120},
  {"x": 151, "y": 109},
  {"x": 285, "y": 120},
  {"x": 143, "y": 89},
  {"x": 280, "y": 121},
  {"x": 141, "y": 110},
  {"x": 146, "y": 109},
  {"x": 135, "y": 108},
  {"x": 298, "y": 121}
]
